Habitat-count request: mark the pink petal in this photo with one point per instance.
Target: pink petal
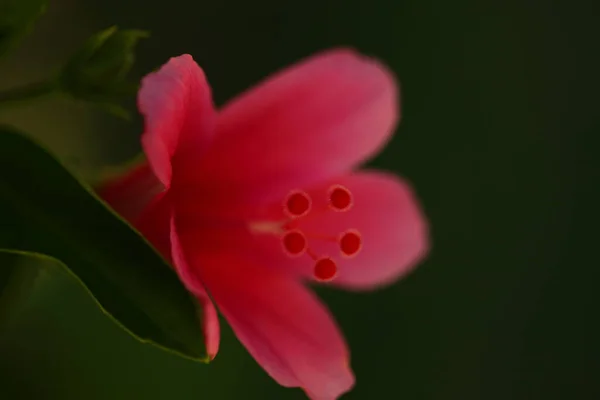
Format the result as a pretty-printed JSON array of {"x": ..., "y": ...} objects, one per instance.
[
  {"x": 281, "y": 323},
  {"x": 138, "y": 197},
  {"x": 179, "y": 114},
  {"x": 156, "y": 222},
  {"x": 306, "y": 123},
  {"x": 210, "y": 320},
  {"x": 129, "y": 194},
  {"x": 387, "y": 215},
  {"x": 393, "y": 228}
]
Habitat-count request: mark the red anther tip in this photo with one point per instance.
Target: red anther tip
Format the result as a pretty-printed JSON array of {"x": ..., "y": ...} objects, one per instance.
[
  {"x": 297, "y": 204},
  {"x": 350, "y": 243},
  {"x": 294, "y": 243},
  {"x": 340, "y": 198},
  {"x": 325, "y": 269}
]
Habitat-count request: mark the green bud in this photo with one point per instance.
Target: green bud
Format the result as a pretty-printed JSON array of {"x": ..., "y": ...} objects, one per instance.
[
  {"x": 17, "y": 18},
  {"x": 97, "y": 72}
]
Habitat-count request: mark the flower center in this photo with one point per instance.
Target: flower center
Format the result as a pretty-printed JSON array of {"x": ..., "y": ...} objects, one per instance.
[
  {"x": 297, "y": 204},
  {"x": 350, "y": 243},
  {"x": 295, "y": 242},
  {"x": 340, "y": 198},
  {"x": 325, "y": 269}
]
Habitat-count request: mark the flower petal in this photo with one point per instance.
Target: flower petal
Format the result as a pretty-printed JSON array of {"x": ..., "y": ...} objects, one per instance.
[
  {"x": 131, "y": 193},
  {"x": 308, "y": 122},
  {"x": 179, "y": 114},
  {"x": 281, "y": 323},
  {"x": 157, "y": 223},
  {"x": 210, "y": 319},
  {"x": 154, "y": 223},
  {"x": 386, "y": 213},
  {"x": 393, "y": 229}
]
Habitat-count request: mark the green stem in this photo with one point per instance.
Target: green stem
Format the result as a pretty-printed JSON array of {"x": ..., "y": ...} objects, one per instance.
[{"x": 28, "y": 92}]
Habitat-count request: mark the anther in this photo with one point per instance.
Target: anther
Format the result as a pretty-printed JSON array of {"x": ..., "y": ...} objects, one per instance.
[
  {"x": 294, "y": 243},
  {"x": 350, "y": 243},
  {"x": 340, "y": 198},
  {"x": 325, "y": 269},
  {"x": 297, "y": 204}
]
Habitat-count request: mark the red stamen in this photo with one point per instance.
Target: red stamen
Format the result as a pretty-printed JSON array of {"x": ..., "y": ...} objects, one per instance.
[
  {"x": 325, "y": 269},
  {"x": 294, "y": 243},
  {"x": 297, "y": 204},
  {"x": 350, "y": 243},
  {"x": 340, "y": 198}
]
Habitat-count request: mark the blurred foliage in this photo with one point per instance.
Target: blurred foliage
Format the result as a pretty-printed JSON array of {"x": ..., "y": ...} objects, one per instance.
[
  {"x": 16, "y": 20},
  {"x": 98, "y": 71},
  {"x": 499, "y": 138}
]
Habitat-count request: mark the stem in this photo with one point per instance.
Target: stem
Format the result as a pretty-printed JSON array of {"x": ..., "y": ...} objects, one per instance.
[{"x": 28, "y": 92}]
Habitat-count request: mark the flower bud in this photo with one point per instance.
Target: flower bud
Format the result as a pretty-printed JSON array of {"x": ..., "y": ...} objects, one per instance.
[
  {"x": 17, "y": 18},
  {"x": 97, "y": 72}
]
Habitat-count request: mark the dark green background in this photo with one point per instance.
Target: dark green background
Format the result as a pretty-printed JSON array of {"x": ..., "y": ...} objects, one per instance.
[{"x": 498, "y": 137}]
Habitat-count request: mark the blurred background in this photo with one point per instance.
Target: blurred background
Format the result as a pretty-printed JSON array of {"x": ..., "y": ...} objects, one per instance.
[{"x": 498, "y": 138}]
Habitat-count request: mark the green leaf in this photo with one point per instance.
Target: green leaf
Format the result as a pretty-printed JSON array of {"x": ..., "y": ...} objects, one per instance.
[
  {"x": 17, "y": 18},
  {"x": 45, "y": 210},
  {"x": 16, "y": 281}
]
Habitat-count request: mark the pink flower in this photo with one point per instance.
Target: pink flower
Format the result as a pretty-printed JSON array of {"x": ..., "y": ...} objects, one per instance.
[{"x": 255, "y": 199}]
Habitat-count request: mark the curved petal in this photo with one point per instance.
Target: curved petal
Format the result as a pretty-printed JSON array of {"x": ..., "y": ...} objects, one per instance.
[
  {"x": 386, "y": 213},
  {"x": 154, "y": 223},
  {"x": 281, "y": 323},
  {"x": 179, "y": 114},
  {"x": 393, "y": 229},
  {"x": 131, "y": 193},
  {"x": 210, "y": 319},
  {"x": 157, "y": 224},
  {"x": 306, "y": 123},
  {"x": 138, "y": 197}
]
